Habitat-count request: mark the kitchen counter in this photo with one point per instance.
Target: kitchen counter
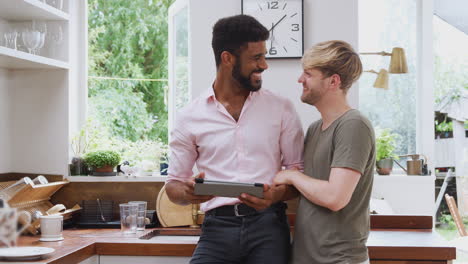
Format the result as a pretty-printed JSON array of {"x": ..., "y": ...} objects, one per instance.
[{"x": 403, "y": 245}]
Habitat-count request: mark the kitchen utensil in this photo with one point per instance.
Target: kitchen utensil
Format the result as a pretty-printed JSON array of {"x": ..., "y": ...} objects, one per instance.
[
  {"x": 51, "y": 228},
  {"x": 24, "y": 253},
  {"x": 92, "y": 215},
  {"x": 171, "y": 214},
  {"x": 100, "y": 210},
  {"x": 36, "y": 215},
  {"x": 8, "y": 192},
  {"x": 31, "y": 198},
  {"x": 56, "y": 209},
  {"x": 415, "y": 165},
  {"x": 40, "y": 180}
]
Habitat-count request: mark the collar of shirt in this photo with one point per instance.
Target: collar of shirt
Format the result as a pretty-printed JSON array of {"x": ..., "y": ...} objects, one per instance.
[{"x": 209, "y": 95}]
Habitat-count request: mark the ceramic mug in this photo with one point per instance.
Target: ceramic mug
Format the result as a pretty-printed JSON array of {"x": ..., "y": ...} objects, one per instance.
[
  {"x": 8, "y": 223},
  {"x": 51, "y": 227}
]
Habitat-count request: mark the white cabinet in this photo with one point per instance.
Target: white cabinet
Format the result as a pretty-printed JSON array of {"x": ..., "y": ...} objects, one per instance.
[
  {"x": 406, "y": 195},
  {"x": 34, "y": 90},
  {"x": 143, "y": 260},
  {"x": 91, "y": 260}
]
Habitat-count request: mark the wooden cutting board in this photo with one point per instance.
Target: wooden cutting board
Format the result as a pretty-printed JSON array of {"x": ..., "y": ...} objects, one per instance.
[{"x": 171, "y": 214}]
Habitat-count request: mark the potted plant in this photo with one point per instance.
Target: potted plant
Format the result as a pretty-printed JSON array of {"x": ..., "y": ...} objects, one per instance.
[
  {"x": 443, "y": 129},
  {"x": 102, "y": 161},
  {"x": 385, "y": 147},
  {"x": 79, "y": 145}
]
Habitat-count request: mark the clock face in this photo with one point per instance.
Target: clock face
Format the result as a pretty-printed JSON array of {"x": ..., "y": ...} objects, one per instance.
[{"x": 284, "y": 20}]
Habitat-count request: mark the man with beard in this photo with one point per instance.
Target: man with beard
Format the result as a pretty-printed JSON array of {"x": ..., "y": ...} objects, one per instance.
[
  {"x": 332, "y": 222},
  {"x": 237, "y": 132}
]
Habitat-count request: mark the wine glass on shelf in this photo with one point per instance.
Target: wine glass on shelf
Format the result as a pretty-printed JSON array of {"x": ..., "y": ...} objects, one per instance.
[
  {"x": 41, "y": 27},
  {"x": 40, "y": 45},
  {"x": 31, "y": 39},
  {"x": 10, "y": 38},
  {"x": 54, "y": 37},
  {"x": 56, "y": 3}
]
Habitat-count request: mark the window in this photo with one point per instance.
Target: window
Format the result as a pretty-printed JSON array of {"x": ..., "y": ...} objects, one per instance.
[
  {"x": 179, "y": 94},
  {"x": 450, "y": 94},
  {"x": 127, "y": 83},
  {"x": 384, "y": 24}
]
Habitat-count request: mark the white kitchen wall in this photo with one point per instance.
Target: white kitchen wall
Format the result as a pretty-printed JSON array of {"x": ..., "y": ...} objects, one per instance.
[
  {"x": 39, "y": 118},
  {"x": 4, "y": 121},
  {"x": 323, "y": 20}
]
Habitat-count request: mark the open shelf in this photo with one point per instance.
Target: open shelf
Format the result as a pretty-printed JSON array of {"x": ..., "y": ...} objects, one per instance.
[
  {"x": 20, "y": 10},
  {"x": 14, "y": 59}
]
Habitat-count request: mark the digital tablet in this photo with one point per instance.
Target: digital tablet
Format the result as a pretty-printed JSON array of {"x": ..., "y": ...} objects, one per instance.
[{"x": 227, "y": 189}]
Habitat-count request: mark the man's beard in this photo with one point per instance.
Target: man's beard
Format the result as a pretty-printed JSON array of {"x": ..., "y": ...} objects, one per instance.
[
  {"x": 245, "y": 82},
  {"x": 312, "y": 97}
]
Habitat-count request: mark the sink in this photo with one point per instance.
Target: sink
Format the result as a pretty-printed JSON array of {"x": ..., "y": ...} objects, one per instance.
[{"x": 178, "y": 239}]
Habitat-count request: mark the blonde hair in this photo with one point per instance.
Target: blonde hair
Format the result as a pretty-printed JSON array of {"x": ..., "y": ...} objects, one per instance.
[{"x": 334, "y": 57}]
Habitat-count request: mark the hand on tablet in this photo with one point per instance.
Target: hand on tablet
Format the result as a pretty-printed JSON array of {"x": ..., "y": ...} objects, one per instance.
[
  {"x": 188, "y": 191},
  {"x": 270, "y": 195}
]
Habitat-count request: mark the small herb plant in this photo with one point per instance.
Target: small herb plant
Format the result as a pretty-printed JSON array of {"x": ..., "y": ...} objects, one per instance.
[
  {"x": 444, "y": 126},
  {"x": 385, "y": 144},
  {"x": 99, "y": 159}
]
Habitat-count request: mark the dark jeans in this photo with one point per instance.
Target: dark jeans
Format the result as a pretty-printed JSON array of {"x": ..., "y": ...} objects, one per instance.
[{"x": 263, "y": 237}]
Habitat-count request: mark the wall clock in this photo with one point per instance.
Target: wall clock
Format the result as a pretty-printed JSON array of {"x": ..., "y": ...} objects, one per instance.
[{"x": 284, "y": 19}]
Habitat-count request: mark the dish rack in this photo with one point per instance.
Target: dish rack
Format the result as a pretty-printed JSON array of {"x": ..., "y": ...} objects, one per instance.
[{"x": 33, "y": 198}]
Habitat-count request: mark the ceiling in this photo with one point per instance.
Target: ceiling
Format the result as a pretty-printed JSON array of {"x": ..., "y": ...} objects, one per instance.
[{"x": 454, "y": 12}]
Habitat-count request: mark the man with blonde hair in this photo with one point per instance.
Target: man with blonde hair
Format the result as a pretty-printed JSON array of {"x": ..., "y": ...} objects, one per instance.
[{"x": 332, "y": 223}]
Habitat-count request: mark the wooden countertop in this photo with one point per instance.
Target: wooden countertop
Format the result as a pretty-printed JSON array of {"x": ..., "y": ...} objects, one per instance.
[{"x": 80, "y": 244}]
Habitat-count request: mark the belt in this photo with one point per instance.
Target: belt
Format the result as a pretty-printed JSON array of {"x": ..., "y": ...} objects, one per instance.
[
  {"x": 242, "y": 209},
  {"x": 232, "y": 210}
]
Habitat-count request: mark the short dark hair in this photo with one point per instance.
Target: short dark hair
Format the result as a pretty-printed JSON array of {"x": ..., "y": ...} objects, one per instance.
[{"x": 232, "y": 33}]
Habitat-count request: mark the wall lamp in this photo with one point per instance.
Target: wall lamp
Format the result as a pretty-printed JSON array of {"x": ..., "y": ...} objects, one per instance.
[
  {"x": 382, "y": 79},
  {"x": 397, "y": 60},
  {"x": 397, "y": 66}
]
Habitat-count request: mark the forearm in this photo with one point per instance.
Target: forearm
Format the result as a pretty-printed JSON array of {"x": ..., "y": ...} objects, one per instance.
[
  {"x": 318, "y": 192},
  {"x": 175, "y": 192}
]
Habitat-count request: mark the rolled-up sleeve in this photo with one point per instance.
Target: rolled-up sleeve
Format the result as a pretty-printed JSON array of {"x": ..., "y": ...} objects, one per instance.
[
  {"x": 292, "y": 138},
  {"x": 182, "y": 155}
]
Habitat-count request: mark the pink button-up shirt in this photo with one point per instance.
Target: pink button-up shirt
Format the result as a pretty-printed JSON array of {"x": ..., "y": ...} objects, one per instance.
[{"x": 267, "y": 136}]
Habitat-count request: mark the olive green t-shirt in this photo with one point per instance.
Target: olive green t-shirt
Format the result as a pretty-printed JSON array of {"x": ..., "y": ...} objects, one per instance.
[{"x": 322, "y": 236}]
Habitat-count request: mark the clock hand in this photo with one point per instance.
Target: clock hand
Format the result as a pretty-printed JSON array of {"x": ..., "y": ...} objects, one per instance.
[
  {"x": 277, "y": 23},
  {"x": 271, "y": 38}
]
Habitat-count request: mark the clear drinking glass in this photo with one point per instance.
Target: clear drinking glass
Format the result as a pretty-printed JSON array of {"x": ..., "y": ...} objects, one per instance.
[
  {"x": 141, "y": 214},
  {"x": 128, "y": 218},
  {"x": 10, "y": 38}
]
